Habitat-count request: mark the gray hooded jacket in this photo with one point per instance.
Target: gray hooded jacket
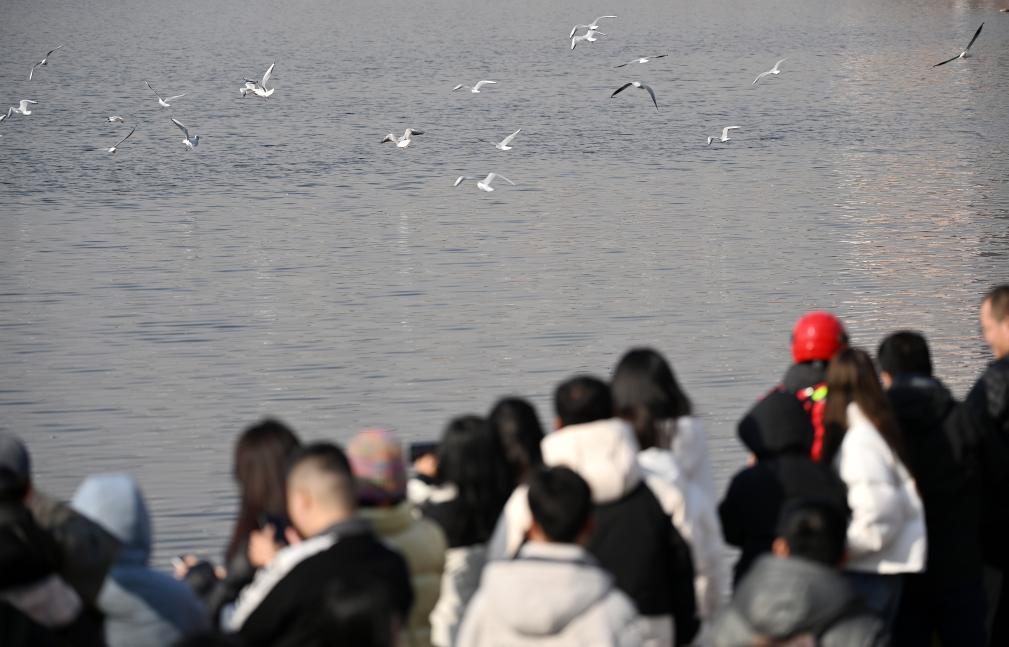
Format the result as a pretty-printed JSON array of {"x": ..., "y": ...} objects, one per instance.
[
  {"x": 552, "y": 595},
  {"x": 796, "y": 602},
  {"x": 140, "y": 605}
]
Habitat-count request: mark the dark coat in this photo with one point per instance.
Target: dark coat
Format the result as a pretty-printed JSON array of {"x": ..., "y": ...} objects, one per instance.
[
  {"x": 951, "y": 495},
  {"x": 779, "y": 433}
]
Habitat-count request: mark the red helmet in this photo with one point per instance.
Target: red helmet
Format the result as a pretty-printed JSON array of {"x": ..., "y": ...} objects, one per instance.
[{"x": 817, "y": 336}]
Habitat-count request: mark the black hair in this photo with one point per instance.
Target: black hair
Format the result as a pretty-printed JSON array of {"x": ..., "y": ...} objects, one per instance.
[
  {"x": 328, "y": 457},
  {"x": 470, "y": 458},
  {"x": 904, "y": 352},
  {"x": 814, "y": 529},
  {"x": 519, "y": 431},
  {"x": 561, "y": 503},
  {"x": 583, "y": 399},
  {"x": 998, "y": 297},
  {"x": 645, "y": 392}
]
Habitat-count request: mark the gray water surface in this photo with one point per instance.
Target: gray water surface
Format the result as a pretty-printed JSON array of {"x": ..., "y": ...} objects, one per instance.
[{"x": 155, "y": 302}]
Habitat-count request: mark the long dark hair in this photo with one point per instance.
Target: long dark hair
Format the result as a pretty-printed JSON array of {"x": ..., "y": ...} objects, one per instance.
[
  {"x": 470, "y": 458},
  {"x": 645, "y": 392},
  {"x": 519, "y": 431},
  {"x": 851, "y": 377},
  {"x": 261, "y": 455}
]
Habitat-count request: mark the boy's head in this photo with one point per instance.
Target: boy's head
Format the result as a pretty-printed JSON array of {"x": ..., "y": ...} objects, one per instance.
[
  {"x": 582, "y": 399},
  {"x": 903, "y": 353},
  {"x": 561, "y": 504},
  {"x": 320, "y": 488},
  {"x": 814, "y": 530}
]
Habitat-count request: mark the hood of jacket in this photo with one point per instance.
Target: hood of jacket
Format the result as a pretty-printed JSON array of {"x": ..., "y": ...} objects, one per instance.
[
  {"x": 780, "y": 598},
  {"x": 604, "y": 453},
  {"x": 547, "y": 587},
  {"x": 115, "y": 502},
  {"x": 919, "y": 401},
  {"x": 776, "y": 425},
  {"x": 804, "y": 375}
]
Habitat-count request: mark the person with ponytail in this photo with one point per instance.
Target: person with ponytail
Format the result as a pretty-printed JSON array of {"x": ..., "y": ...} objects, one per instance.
[{"x": 862, "y": 441}]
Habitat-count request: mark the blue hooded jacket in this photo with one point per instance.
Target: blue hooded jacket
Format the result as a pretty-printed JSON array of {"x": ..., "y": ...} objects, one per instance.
[{"x": 141, "y": 606}]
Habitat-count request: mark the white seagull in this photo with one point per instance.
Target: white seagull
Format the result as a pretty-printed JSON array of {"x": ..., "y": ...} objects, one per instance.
[
  {"x": 588, "y": 37},
  {"x": 116, "y": 119},
  {"x": 120, "y": 142},
  {"x": 190, "y": 142},
  {"x": 594, "y": 25},
  {"x": 7, "y": 115},
  {"x": 475, "y": 89},
  {"x": 44, "y": 61},
  {"x": 259, "y": 88},
  {"x": 964, "y": 53},
  {"x": 483, "y": 184},
  {"x": 503, "y": 144},
  {"x": 725, "y": 135},
  {"x": 637, "y": 84},
  {"x": 642, "y": 59},
  {"x": 164, "y": 103},
  {"x": 404, "y": 140},
  {"x": 774, "y": 70},
  {"x": 22, "y": 108}
]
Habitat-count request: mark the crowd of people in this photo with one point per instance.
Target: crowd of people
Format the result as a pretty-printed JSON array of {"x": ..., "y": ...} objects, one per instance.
[{"x": 873, "y": 510}]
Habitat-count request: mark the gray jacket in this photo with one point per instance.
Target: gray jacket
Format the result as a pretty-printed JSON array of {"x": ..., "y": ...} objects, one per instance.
[
  {"x": 141, "y": 606},
  {"x": 796, "y": 601},
  {"x": 552, "y": 594}
]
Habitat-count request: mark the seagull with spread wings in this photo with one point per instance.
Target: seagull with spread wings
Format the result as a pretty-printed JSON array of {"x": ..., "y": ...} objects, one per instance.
[
  {"x": 642, "y": 59},
  {"x": 774, "y": 70},
  {"x": 164, "y": 103},
  {"x": 119, "y": 143},
  {"x": 725, "y": 135},
  {"x": 44, "y": 61},
  {"x": 593, "y": 26},
  {"x": 637, "y": 84},
  {"x": 482, "y": 183},
  {"x": 964, "y": 53},
  {"x": 191, "y": 142}
]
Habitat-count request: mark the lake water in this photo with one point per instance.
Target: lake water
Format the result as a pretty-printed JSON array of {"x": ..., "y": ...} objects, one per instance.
[{"x": 155, "y": 302}]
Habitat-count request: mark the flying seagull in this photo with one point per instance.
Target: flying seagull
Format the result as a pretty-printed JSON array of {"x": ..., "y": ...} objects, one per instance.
[
  {"x": 22, "y": 108},
  {"x": 475, "y": 89},
  {"x": 594, "y": 25},
  {"x": 637, "y": 84},
  {"x": 164, "y": 103},
  {"x": 404, "y": 140},
  {"x": 774, "y": 70},
  {"x": 116, "y": 119},
  {"x": 44, "y": 61},
  {"x": 503, "y": 144},
  {"x": 258, "y": 88},
  {"x": 725, "y": 135},
  {"x": 964, "y": 53},
  {"x": 588, "y": 37},
  {"x": 7, "y": 115},
  {"x": 190, "y": 142},
  {"x": 642, "y": 59},
  {"x": 484, "y": 184},
  {"x": 120, "y": 142}
]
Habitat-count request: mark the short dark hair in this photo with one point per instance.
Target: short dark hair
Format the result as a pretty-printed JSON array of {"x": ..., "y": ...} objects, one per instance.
[
  {"x": 561, "y": 503},
  {"x": 999, "y": 298},
  {"x": 327, "y": 460},
  {"x": 814, "y": 529},
  {"x": 583, "y": 399},
  {"x": 904, "y": 351}
]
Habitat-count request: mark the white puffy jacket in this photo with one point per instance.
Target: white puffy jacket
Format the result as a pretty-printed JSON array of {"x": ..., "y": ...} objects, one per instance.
[{"x": 887, "y": 530}]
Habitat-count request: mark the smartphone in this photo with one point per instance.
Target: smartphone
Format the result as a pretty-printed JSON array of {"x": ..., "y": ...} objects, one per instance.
[
  {"x": 422, "y": 449},
  {"x": 279, "y": 523}
]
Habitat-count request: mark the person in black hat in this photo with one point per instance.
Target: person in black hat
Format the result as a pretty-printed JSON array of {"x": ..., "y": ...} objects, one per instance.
[{"x": 779, "y": 434}]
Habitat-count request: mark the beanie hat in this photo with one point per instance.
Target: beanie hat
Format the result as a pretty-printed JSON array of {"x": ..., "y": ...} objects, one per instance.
[
  {"x": 15, "y": 466},
  {"x": 377, "y": 460}
]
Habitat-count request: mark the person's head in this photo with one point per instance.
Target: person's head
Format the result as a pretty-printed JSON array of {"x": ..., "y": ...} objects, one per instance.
[
  {"x": 470, "y": 458},
  {"x": 15, "y": 469},
  {"x": 775, "y": 426},
  {"x": 260, "y": 469},
  {"x": 320, "y": 488},
  {"x": 812, "y": 529},
  {"x": 582, "y": 399},
  {"x": 995, "y": 320},
  {"x": 519, "y": 431},
  {"x": 647, "y": 395},
  {"x": 561, "y": 505},
  {"x": 377, "y": 459},
  {"x": 851, "y": 377},
  {"x": 817, "y": 336},
  {"x": 903, "y": 353}
]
